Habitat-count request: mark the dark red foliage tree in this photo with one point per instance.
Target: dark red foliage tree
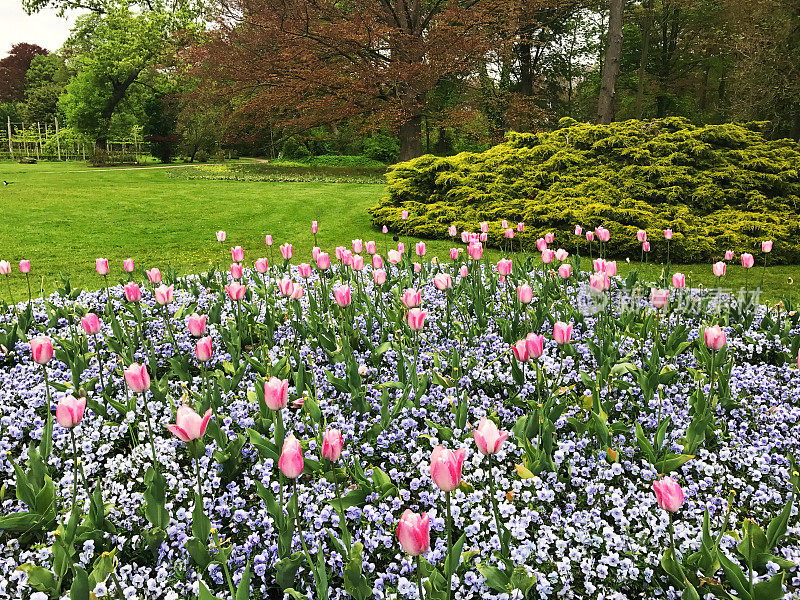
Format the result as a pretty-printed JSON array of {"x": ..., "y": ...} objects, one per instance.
[{"x": 13, "y": 69}]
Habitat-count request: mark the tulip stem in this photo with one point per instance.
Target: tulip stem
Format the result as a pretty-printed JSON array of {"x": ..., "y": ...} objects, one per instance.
[
  {"x": 99, "y": 362},
  {"x": 448, "y": 561},
  {"x": 493, "y": 496},
  {"x": 199, "y": 485},
  {"x": 300, "y": 533},
  {"x": 672, "y": 536},
  {"x": 10, "y": 295},
  {"x": 28, "y": 280},
  {"x": 150, "y": 431},
  {"x": 169, "y": 329},
  {"x": 419, "y": 575}
]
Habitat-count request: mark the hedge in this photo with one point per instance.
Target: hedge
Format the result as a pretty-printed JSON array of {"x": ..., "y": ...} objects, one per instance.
[{"x": 718, "y": 187}]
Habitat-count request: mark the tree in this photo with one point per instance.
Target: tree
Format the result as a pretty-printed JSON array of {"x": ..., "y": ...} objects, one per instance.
[
  {"x": 13, "y": 69},
  {"x": 608, "y": 84},
  {"x": 308, "y": 62},
  {"x": 113, "y": 53},
  {"x": 45, "y": 82}
]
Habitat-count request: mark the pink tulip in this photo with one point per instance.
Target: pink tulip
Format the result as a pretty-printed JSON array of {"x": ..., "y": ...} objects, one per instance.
[
  {"x": 561, "y": 255},
  {"x": 484, "y": 226},
  {"x": 488, "y": 437},
  {"x": 454, "y": 253},
  {"x": 659, "y": 298},
  {"x": 262, "y": 265},
  {"x": 236, "y": 271},
  {"x": 235, "y": 291},
  {"x": 475, "y": 250},
  {"x": 404, "y": 215},
  {"x": 315, "y": 252},
  {"x": 128, "y": 265},
  {"x": 599, "y": 265},
  {"x": 728, "y": 254},
  {"x": 669, "y": 494},
  {"x": 411, "y": 298},
  {"x": 25, "y": 266},
  {"x": 562, "y": 333},
  {"x": 401, "y": 247},
  {"x": 221, "y": 235},
  {"x": 646, "y": 246},
  {"x": 641, "y": 236},
  {"x": 347, "y": 257},
  {"x": 5, "y": 267},
  {"x": 549, "y": 237},
  {"x": 394, "y": 257},
  {"x": 372, "y": 247},
  {"x": 323, "y": 261},
  {"x": 286, "y": 287},
  {"x": 276, "y": 393},
  {"x": 599, "y": 283},
  {"x": 137, "y": 378},
  {"x": 603, "y": 234},
  {"x": 520, "y": 351},
  {"x": 668, "y": 234},
  {"x": 679, "y": 280},
  {"x": 343, "y": 295},
  {"x": 565, "y": 271},
  {"x": 443, "y": 281},
  {"x": 465, "y": 236},
  {"x": 747, "y": 260},
  {"x": 133, "y": 292},
  {"x": 483, "y": 237},
  {"x": 379, "y": 276},
  {"x": 590, "y": 236},
  {"x": 196, "y": 325},
  {"x": 304, "y": 270},
  {"x": 504, "y": 224},
  {"x": 90, "y": 323},
  {"x": 463, "y": 271},
  {"x": 314, "y": 226},
  {"x": 298, "y": 291},
  {"x": 204, "y": 349},
  {"x": 69, "y": 411},
  {"x": 268, "y": 240},
  {"x": 541, "y": 245},
  {"x": 416, "y": 318},
  {"x": 520, "y": 227},
  {"x": 611, "y": 268},
  {"x": 525, "y": 293},
  {"x": 534, "y": 344},
  {"x": 578, "y": 230},
  {"x": 287, "y": 250},
  {"x": 420, "y": 248},
  {"x": 719, "y": 268},
  {"x": 358, "y": 246},
  {"x": 41, "y": 350},
  {"x": 332, "y": 444},
  {"x": 509, "y": 233},
  {"x": 548, "y": 256},
  {"x": 385, "y": 229},
  {"x": 504, "y": 266},
  {"x": 414, "y": 533},
  {"x": 446, "y": 467},
  {"x": 164, "y": 294},
  {"x": 237, "y": 254},
  {"x": 714, "y": 337},
  {"x": 291, "y": 461},
  {"x": 188, "y": 424},
  {"x": 101, "y": 265},
  {"x": 452, "y": 231},
  {"x": 154, "y": 275},
  {"x": 766, "y": 246},
  {"x": 377, "y": 261}
]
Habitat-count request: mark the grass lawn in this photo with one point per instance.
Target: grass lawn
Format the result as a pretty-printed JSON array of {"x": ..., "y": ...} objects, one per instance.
[{"x": 62, "y": 216}]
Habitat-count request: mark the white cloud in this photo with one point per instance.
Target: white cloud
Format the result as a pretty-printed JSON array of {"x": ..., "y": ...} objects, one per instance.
[{"x": 44, "y": 28}]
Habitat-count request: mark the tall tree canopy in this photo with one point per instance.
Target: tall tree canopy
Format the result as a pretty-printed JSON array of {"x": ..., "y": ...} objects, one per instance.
[
  {"x": 310, "y": 62},
  {"x": 13, "y": 69}
]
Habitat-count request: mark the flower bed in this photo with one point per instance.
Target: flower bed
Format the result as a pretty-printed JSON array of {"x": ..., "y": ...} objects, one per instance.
[{"x": 614, "y": 397}]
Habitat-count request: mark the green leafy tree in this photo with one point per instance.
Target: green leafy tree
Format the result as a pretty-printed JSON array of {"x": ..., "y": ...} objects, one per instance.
[{"x": 45, "y": 82}]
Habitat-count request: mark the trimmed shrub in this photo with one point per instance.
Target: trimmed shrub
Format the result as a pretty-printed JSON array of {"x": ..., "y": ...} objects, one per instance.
[{"x": 718, "y": 187}]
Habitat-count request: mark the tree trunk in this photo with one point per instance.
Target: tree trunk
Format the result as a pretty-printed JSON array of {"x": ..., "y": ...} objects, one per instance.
[
  {"x": 605, "y": 104},
  {"x": 411, "y": 138},
  {"x": 648, "y": 23},
  {"x": 526, "y": 70}
]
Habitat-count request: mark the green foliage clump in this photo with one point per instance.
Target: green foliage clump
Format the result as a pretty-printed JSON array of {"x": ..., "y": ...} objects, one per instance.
[{"x": 718, "y": 187}]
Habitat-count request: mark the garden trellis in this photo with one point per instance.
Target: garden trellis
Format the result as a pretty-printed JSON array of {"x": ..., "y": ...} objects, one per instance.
[{"x": 52, "y": 141}]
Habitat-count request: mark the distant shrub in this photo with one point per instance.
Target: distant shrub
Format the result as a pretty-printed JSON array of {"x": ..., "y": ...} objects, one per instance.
[
  {"x": 382, "y": 147},
  {"x": 201, "y": 156},
  {"x": 718, "y": 187}
]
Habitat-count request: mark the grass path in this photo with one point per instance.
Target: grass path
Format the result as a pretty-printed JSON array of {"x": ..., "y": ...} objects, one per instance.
[{"x": 62, "y": 216}]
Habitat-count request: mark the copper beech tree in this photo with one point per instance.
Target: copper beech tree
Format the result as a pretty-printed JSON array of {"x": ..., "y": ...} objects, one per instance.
[{"x": 305, "y": 63}]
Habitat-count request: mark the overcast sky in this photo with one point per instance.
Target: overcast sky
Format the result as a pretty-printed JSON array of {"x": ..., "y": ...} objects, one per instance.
[{"x": 45, "y": 28}]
